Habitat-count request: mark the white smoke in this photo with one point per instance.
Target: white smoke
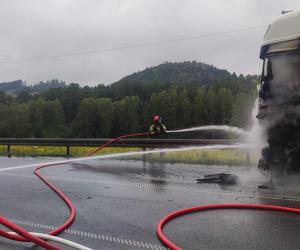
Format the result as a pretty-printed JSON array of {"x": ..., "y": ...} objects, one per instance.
[
  {"x": 280, "y": 112},
  {"x": 285, "y": 90},
  {"x": 256, "y": 136}
]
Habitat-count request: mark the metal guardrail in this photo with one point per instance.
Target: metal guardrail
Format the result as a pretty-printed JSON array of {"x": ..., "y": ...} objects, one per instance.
[
  {"x": 79, "y": 142},
  {"x": 140, "y": 142}
]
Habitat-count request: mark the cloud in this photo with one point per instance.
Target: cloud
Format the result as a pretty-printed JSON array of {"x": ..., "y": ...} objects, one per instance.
[{"x": 34, "y": 28}]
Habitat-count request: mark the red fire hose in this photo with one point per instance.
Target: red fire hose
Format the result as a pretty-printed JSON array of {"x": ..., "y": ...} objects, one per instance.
[
  {"x": 25, "y": 234},
  {"x": 172, "y": 246},
  {"x": 116, "y": 139},
  {"x": 27, "y": 237}
]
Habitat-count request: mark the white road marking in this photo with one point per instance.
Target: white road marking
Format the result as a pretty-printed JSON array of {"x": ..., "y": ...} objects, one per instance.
[
  {"x": 161, "y": 187},
  {"x": 89, "y": 235}
]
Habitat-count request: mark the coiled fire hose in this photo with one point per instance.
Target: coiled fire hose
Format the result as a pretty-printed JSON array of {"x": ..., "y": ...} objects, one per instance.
[
  {"x": 185, "y": 211},
  {"x": 22, "y": 235}
]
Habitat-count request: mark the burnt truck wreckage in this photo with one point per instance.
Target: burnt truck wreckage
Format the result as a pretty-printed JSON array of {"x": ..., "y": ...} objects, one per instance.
[{"x": 279, "y": 95}]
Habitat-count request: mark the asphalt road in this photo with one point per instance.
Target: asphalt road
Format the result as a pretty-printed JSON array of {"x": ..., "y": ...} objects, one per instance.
[{"x": 119, "y": 204}]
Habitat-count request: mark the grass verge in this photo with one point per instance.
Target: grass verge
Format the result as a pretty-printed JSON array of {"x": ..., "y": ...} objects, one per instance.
[
  {"x": 207, "y": 157},
  {"x": 23, "y": 151}
]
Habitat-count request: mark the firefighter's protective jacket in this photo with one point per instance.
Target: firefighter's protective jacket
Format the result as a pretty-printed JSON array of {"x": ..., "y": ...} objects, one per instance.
[{"x": 157, "y": 129}]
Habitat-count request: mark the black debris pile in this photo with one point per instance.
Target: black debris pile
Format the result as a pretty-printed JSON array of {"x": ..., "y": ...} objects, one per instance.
[{"x": 221, "y": 178}]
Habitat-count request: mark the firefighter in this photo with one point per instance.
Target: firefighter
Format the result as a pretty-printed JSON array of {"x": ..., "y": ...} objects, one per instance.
[{"x": 157, "y": 128}]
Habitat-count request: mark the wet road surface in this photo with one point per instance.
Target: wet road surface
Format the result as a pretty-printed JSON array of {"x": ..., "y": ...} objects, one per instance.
[{"x": 119, "y": 204}]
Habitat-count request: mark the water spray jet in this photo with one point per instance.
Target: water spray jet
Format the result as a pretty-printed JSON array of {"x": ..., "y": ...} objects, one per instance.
[{"x": 225, "y": 128}]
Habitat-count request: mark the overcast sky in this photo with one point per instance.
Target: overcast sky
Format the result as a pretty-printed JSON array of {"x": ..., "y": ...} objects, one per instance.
[{"x": 49, "y": 28}]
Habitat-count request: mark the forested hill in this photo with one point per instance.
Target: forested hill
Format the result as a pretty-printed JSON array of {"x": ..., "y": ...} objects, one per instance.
[
  {"x": 150, "y": 80},
  {"x": 12, "y": 87},
  {"x": 183, "y": 73},
  {"x": 15, "y": 87},
  {"x": 185, "y": 94}
]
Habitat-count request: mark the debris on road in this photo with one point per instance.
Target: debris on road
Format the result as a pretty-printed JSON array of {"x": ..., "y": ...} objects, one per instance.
[{"x": 221, "y": 178}]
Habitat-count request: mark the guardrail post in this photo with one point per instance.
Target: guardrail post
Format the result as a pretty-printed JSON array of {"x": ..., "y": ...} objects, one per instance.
[
  {"x": 8, "y": 151},
  {"x": 68, "y": 150},
  {"x": 144, "y": 155},
  {"x": 248, "y": 158}
]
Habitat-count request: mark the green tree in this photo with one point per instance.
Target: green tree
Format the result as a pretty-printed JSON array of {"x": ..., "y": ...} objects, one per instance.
[
  {"x": 5, "y": 99},
  {"x": 173, "y": 105},
  {"x": 71, "y": 99},
  {"x": 36, "y": 116},
  {"x": 224, "y": 100},
  {"x": 183, "y": 109},
  {"x": 199, "y": 107},
  {"x": 126, "y": 116},
  {"x": 242, "y": 110},
  {"x": 4, "y": 126},
  {"x": 24, "y": 96},
  {"x": 209, "y": 111},
  {"x": 86, "y": 123},
  {"x": 94, "y": 118},
  {"x": 105, "y": 115},
  {"x": 15, "y": 121},
  {"x": 47, "y": 118}
]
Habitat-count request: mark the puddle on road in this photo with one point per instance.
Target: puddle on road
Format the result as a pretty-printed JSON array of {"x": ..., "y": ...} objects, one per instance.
[{"x": 155, "y": 173}]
